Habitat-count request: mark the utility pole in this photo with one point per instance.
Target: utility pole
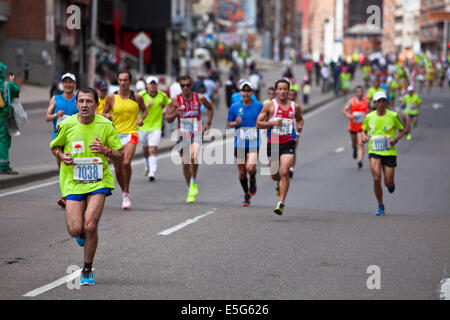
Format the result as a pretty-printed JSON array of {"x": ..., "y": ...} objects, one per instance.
[
  {"x": 276, "y": 31},
  {"x": 188, "y": 37},
  {"x": 92, "y": 62}
]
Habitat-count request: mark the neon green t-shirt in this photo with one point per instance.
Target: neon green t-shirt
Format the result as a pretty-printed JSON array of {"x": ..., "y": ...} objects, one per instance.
[
  {"x": 381, "y": 129},
  {"x": 154, "y": 118},
  {"x": 370, "y": 94},
  {"x": 345, "y": 80},
  {"x": 75, "y": 138},
  {"x": 411, "y": 103}
]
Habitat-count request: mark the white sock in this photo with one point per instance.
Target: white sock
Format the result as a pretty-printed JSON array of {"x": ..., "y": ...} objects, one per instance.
[
  {"x": 153, "y": 164},
  {"x": 194, "y": 180}
]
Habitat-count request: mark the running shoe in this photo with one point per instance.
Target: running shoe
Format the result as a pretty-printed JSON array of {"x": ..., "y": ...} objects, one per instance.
[
  {"x": 62, "y": 202},
  {"x": 126, "y": 200},
  {"x": 246, "y": 201},
  {"x": 291, "y": 172},
  {"x": 380, "y": 211},
  {"x": 277, "y": 189},
  {"x": 279, "y": 208},
  {"x": 193, "y": 188},
  {"x": 151, "y": 177},
  {"x": 409, "y": 136},
  {"x": 253, "y": 188},
  {"x": 190, "y": 197},
  {"x": 391, "y": 189},
  {"x": 360, "y": 164},
  {"x": 87, "y": 278},
  {"x": 80, "y": 239}
]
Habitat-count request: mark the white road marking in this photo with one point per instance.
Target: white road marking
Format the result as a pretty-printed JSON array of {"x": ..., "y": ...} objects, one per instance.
[
  {"x": 445, "y": 289},
  {"x": 339, "y": 150},
  {"x": 54, "y": 284},
  {"x": 46, "y": 184},
  {"x": 186, "y": 223},
  {"x": 437, "y": 106}
]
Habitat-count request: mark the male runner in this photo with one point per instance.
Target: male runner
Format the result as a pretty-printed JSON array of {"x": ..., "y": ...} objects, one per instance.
[
  {"x": 150, "y": 132},
  {"x": 372, "y": 90},
  {"x": 83, "y": 143},
  {"x": 382, "y": 124},
  {"x": 283, "y": 118},
  {"x": 125, "y": 105},
  {"x": 270, "y": 95},
  {"x": 102, "y": 90},
  {"x": 61, "y": 107},
  {"x": 186, "y": 109},
  {"x": 356, "y": 110},
  {"x": 412, "y": 103},
  {"x": 242, "y": 116}
]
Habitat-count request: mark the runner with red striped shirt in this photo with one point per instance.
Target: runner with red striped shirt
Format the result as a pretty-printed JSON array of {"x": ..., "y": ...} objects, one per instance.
[
  {"x": 186, "y": 109},
  {"x": 282, "y": 118}
]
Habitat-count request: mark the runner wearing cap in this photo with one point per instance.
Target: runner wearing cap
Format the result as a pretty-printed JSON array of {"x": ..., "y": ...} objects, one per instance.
[
  {"x": 242, "y": 116},
  {"x": 382, "y": 124},
  {"x": 356, "y": 110},
  {"x": 156, "y": 102},
  {"x": 412, "y": 102},
  {"x": 61, "y": 107},
  {"x": 83, "y": 143},
  {"x": 102, "y": 90},
  {"x": 125, "y": 105},
  {"x": 282, "y": 118},
  {"x": 186, "y": 109}
]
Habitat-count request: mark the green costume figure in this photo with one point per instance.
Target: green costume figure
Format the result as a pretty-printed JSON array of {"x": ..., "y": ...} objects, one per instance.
[{"x": 5, "y": 138}]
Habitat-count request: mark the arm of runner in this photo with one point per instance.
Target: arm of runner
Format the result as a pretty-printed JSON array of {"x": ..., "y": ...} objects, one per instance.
[
  {"x": 51, "y": 115},
  {"x": 208, "y": 105},
  {"x": 346, "y": 110},
  {"x": 98, "y": 147},
  {"x": 65, "y": 157},
  {"x": 173, "y": 111},
  {"x": 143, "y": 108},
  {"x": 107, "y": 108},
  {"x": 299, "y": 118},
  {"x": 263, "y": 117}
]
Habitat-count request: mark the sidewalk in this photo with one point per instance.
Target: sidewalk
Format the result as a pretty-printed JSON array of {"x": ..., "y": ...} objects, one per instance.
[{"x": 30, "y": 154}]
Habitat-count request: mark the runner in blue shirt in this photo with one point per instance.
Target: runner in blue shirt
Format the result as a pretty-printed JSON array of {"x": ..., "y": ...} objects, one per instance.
[{"x": 242, "y": 116}]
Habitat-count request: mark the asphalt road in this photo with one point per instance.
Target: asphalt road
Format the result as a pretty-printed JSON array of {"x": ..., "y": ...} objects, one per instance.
[{"x": 321, "y": 248}]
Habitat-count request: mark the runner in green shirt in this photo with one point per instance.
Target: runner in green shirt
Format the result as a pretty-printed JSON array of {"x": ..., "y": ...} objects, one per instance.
[
  {"x": 412, "y": 103},
  {"x": 382, "y": 124},
  {"x": 372, "y": 90},
  {"x": 150, "y": 133},
  {"x": 83, "y": 143}
]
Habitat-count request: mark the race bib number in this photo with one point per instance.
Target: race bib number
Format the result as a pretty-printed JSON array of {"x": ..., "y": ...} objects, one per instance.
[
  {"x": 189, "y": 125},
  {"x": 60, "y": 119},
  {"x": 248, "y": 133},
  {"x": 125, "y": 138},
  {"x": 358, "y": 117},
  {"x": 285, "y": 129},
  {"x": 87, "y": 170},
  {"x": 380, "y": 143}
]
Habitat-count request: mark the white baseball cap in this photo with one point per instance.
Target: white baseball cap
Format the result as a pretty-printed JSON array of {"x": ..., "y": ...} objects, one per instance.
[
  {"x": 245, "y": 83},
  {"x": 410, "y": 88},
  {"x": 379, "y": 95},
  {"x": 69, "y": 75},
  {"x": 151, "y": 79}
]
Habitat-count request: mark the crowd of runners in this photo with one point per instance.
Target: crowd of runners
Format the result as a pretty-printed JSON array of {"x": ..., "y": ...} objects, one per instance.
[{"x": 92, "y": 127}]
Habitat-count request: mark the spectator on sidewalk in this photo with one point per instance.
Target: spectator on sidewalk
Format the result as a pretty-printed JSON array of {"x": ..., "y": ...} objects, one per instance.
[
  {"x": 325, "y": 74},
  {"x": 12, "y": 91}
]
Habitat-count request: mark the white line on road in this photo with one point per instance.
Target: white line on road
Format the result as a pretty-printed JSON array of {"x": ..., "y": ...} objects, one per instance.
[
  {"x": 54, "y": 284},
  {"x": 186, "y": 223},
  {"x": 339, "y": 150},
  {"x": 445, "y": 289},
  {"x": 41, "y": 185}
]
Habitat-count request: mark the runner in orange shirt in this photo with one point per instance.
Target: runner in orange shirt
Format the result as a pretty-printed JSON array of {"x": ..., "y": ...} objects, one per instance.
[{"x": 356, "y": 110}]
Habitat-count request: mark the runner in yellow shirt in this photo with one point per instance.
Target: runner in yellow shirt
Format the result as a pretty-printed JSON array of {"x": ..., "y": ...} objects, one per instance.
[
  {"x": 102, "y": 90},
  {"x": 382, "y": 124},
  {"x": 125, "y": 105},
  {"x": 83, "y": 143}
]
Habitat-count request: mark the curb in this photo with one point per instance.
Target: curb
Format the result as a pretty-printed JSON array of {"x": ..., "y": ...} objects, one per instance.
[{"x": 16, "y": 181}]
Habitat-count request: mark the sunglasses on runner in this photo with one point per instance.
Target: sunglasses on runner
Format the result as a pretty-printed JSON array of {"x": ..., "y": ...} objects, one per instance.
[{"x": 186, "y": 85}]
